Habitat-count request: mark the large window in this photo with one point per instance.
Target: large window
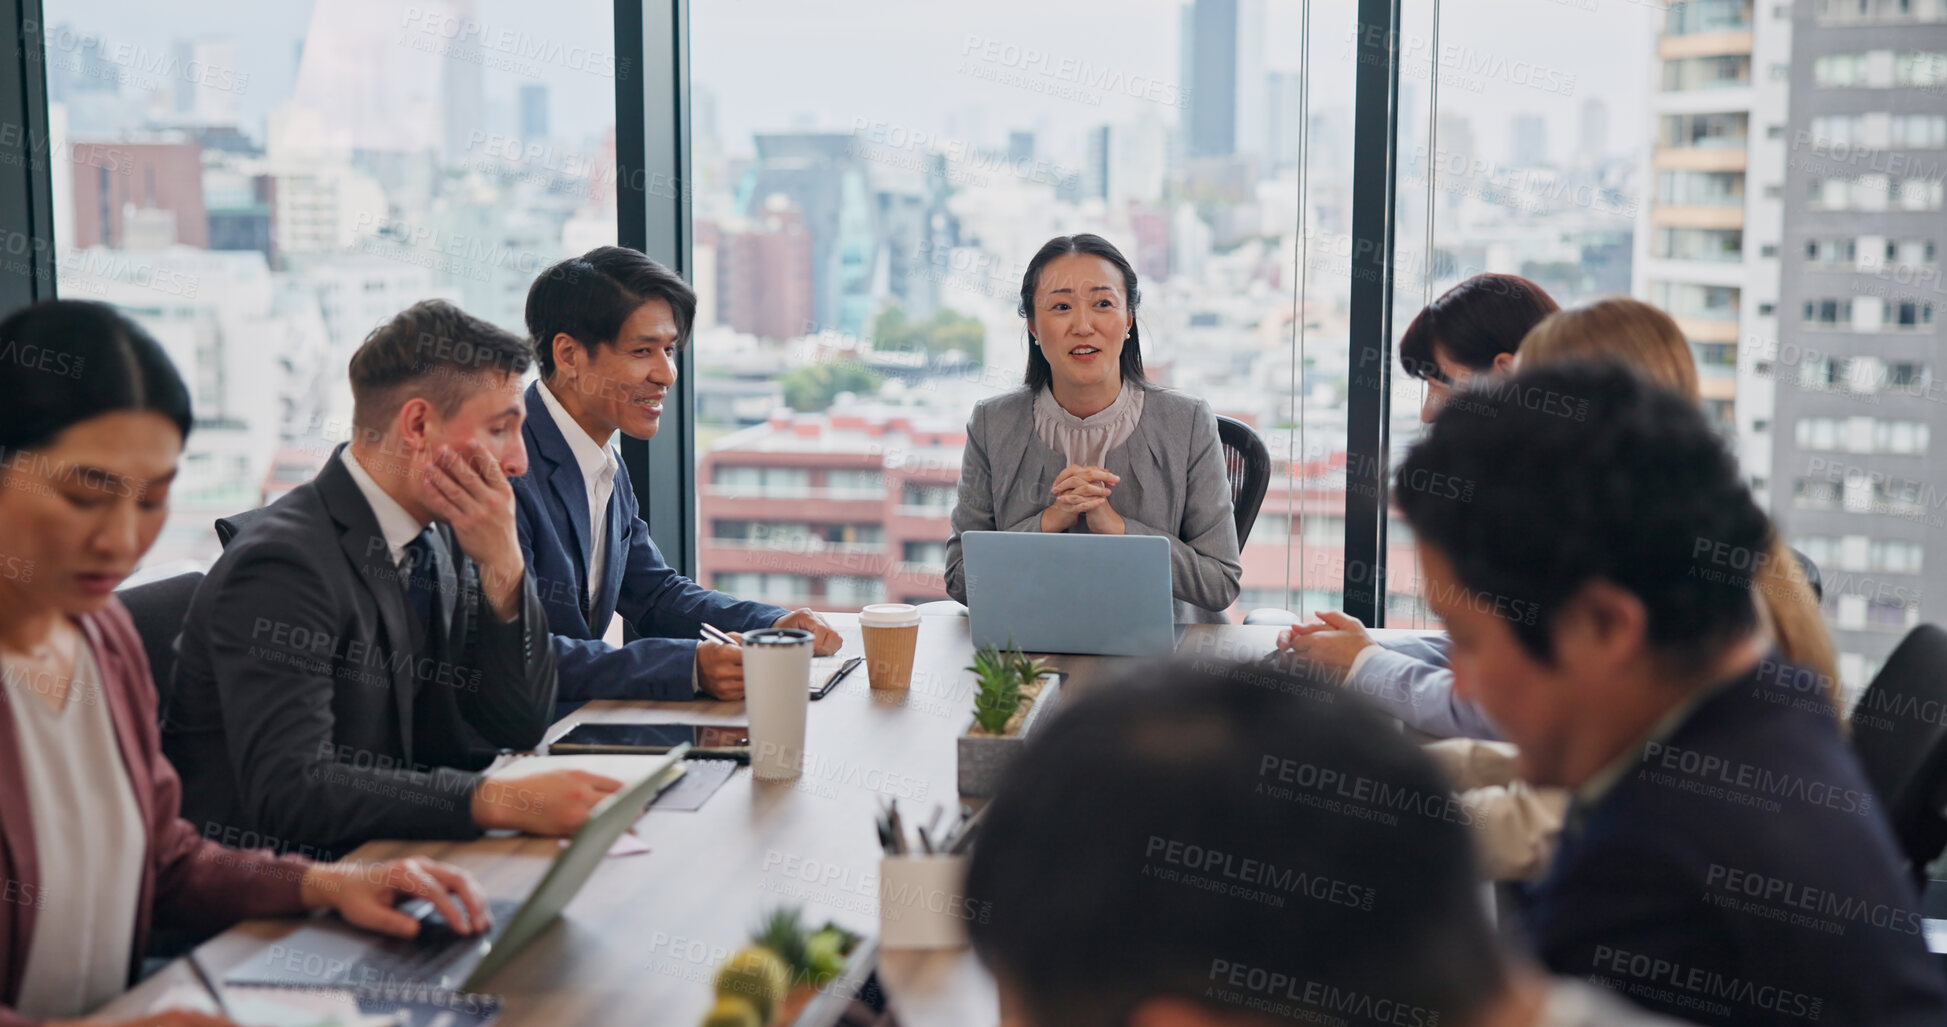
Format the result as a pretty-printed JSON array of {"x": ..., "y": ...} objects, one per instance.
[
  {"x": 865, "y": 206},
  {"x": 261, "y": 184},
  {"x": 1539, "y": 140}
]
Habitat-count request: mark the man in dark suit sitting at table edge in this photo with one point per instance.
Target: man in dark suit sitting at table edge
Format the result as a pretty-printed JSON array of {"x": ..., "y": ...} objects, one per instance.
[
  {"x": 365, "y": 643},
  {"x": 607, "y": 326},
  {"x": 1724, "y": 860}
]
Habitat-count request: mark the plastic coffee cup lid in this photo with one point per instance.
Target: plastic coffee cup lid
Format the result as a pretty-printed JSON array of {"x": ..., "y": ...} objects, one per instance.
[{"x": 889, "y": 615}]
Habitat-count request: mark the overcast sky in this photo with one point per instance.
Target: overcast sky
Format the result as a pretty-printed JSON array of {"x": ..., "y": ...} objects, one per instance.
[{"x": 929, "y": 66}]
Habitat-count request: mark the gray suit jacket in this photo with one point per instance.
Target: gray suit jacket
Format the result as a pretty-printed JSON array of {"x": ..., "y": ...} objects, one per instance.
[
  {"x": 1409, "y": 678},
  {"x": 1173, "y": 485}
]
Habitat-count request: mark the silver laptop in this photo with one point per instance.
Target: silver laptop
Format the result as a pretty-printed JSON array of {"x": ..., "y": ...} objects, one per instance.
[
  {"x": 328, "y": 953},
  {"x": 1101, "y": 595}
]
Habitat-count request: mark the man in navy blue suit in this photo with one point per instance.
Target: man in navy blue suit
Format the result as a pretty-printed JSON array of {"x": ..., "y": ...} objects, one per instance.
[
  {"x": 1724, "y": 859},
  {"x": 606, "y": 327}
]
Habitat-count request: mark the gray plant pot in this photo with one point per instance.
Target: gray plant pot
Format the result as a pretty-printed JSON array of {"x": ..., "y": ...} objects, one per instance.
[{"x": 984, "y": 757}]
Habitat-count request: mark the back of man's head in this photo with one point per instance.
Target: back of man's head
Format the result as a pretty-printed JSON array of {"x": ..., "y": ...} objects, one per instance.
[
  {"x": 588, "y": 298},
  {"x": 434, "y": 351},
  {"x": 1537, "y": 485},
  {"x": 1229, "y": 837}
]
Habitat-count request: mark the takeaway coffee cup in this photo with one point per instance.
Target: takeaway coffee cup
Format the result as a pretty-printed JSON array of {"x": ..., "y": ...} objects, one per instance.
[
  {"x": 891, "y": 633},
  {"x": 777, "y": 692}
]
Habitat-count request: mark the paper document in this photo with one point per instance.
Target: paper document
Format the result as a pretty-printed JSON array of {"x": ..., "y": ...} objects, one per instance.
[{"x": 624, "y": 768}]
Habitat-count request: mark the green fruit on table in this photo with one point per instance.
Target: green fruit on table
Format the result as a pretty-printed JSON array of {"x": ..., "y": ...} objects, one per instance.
[
  {"x": 758, "y": 977},
  {"x": 731, "y": 1011},
  {"x": 825, "y": 956}
]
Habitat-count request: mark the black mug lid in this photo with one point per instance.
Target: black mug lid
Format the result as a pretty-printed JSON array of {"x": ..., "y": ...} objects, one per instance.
[{"x": 777, "y": 636}]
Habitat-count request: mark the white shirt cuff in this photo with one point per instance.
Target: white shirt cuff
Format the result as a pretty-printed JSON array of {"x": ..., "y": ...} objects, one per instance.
[{"x": 1359, "y": 660}]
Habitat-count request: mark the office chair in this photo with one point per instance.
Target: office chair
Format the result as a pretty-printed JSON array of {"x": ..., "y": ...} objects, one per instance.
[
  {"x": 228, "y": 527},
  {"x": 158, "y": 609},
  {"x": 1811, "y": 572},
  {"x": 1248, "y": 466},
  {"x": 1903, "y": 752}
]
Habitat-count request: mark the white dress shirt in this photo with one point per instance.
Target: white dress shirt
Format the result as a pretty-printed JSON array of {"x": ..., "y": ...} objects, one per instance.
[
  {"x": 397, "y": 526},
  {"x": 598, "y": 464}
]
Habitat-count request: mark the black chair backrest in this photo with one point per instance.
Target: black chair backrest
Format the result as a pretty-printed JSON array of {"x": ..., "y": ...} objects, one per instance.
[
  {"x": 1811, "y": 571},
  {"x": 1899, "y": 733},
  {"x": 158, "y": 609},
  {"x": 1248, "y": 466},
  {"x": 228, "y": 527}
]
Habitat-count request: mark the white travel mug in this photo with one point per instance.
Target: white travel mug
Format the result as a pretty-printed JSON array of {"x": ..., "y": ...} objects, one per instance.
[{"x": 777, "y": 692}]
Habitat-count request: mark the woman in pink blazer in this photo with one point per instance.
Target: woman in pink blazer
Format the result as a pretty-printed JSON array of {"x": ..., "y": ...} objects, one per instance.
[{"x": 92, "y": 851}]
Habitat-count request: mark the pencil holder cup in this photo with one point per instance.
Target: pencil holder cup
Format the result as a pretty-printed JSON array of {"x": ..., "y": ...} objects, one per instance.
[{"x": 923, "y": 902}]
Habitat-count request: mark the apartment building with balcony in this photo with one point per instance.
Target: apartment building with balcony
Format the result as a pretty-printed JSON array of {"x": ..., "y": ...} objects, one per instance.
[
  {"x": 839, "y": 509},
  {"x": 1858, "y": 374},
  {"x": 1707, "y": 242},
  {"x": 831, "y": 510}
]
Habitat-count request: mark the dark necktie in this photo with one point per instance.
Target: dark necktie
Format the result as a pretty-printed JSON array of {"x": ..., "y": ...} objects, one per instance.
[{"x": 422, "y": 588}]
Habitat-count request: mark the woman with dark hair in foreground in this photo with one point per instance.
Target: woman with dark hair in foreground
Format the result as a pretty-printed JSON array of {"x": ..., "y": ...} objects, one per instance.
[{"x": 93, "y": 853}]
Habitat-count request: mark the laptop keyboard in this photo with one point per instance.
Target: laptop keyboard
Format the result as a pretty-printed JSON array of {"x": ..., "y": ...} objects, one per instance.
[{"x": 428, "y": 956}]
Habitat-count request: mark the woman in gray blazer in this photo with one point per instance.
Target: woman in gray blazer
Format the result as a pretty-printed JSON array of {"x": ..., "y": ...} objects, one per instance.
[{"x": 1087, "y": 445}]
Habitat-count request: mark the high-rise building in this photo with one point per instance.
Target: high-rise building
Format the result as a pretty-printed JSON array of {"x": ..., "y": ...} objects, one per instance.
[
  {"x": 1127, "y": 161},
  {"x": 763, "y": 273},
  {"x": 138, "y": 195},
  {"x": 1283, "y": 117},
  {"x": 1529, "y": 140},
  {"x": 207, "y": 81},
  {"x": 1223, "y": 69},
  {"x": 1020, "y": 147},
  {"x": 823, "y": 175},
  {"x": 1592, "y": 133},
  {"x": 1095, "y": 167},
  {"x": 363, "y": 83},
  {"x": 1707, "y": 233},
  {"x": 1857, "y": 365},
  {"x": 462, "y": 98},
  {"x": 534, "y": 111}
]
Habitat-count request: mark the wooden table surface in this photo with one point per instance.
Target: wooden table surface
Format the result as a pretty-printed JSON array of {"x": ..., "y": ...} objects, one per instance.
[{"x": 641, "y": 942}]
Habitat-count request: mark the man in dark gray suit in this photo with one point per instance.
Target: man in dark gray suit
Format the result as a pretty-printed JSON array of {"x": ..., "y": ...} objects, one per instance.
[{"x": 365, "y": 643}]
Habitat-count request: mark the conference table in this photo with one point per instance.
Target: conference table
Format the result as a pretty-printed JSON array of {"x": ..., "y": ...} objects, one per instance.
[{"x": 641, "y": 942}]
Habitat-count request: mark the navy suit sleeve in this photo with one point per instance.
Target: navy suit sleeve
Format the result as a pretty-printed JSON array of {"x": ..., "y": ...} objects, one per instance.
[
  {"x": 647, "y": 668},
  {"x": 663, "y": 604}
]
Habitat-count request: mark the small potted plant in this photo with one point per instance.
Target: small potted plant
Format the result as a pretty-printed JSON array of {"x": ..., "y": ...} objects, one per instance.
[
  {"x": 787, "y": 967},
  {"x": 1012, "y": 694}
]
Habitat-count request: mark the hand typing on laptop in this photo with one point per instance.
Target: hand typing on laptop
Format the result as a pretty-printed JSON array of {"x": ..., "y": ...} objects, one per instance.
[{"x": 368, "y": 894}]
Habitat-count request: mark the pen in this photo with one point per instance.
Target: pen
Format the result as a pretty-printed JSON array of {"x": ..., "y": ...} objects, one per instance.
[
  {"x": 968, "y": 827},
  {"x": 716, "y": 634},
  {"x": 203, "y": 975},
  {"x": 839, "y": 674}
]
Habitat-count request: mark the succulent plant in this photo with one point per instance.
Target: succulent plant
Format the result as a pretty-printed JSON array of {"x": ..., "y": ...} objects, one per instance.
[
  {"x": 757, "y": 976},
  {"x": 732, "y": 1011},
  {"x": 1000, "y": 673},
  {"x": 783, "y": 932}
]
